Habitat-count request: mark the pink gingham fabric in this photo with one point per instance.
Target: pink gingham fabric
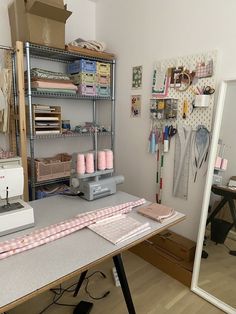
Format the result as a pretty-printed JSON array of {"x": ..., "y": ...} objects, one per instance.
[{"x": 62, "y": 229}]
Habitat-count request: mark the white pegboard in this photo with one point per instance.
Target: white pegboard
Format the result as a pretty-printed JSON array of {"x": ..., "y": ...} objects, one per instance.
[{"x": 199, "y": 115}]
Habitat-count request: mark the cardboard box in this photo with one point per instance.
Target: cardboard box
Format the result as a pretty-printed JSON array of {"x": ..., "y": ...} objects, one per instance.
[
  {"x": 173, "y": 266},
  {"x": 175, "y": 244},
  {"x": 54, "y": 3},
  {"x": 38, "y": 21}
]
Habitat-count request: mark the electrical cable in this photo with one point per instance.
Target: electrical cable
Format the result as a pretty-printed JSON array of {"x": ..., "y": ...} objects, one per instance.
[
  {"x": 56, "y": 299},
  {"x": 58, "y": 292},
  {"x": 86, "y": 287}
]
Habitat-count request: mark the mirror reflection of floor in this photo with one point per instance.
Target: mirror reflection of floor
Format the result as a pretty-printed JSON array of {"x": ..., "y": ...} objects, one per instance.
[{"x": 218, "y": 271}]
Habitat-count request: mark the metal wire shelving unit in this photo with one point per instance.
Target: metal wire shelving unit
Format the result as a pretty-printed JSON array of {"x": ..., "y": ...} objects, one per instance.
[{"x": 63, "y": 56}]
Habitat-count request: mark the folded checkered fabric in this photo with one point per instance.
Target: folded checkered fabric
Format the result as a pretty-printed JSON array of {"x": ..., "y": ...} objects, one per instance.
[
  {"x": 62, "y": 229},
  {"x": 55, "y": 90},
  {"x": 37, "y": 73}
]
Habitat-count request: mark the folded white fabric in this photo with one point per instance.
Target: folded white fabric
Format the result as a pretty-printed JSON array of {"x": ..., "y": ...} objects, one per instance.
[{"x": 89, "y": 44}]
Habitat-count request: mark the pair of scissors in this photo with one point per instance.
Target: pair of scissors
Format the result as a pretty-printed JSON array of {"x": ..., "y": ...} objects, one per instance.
[
  {"x": 171, "y": 131},
  {"x": 208, "y": 90}
]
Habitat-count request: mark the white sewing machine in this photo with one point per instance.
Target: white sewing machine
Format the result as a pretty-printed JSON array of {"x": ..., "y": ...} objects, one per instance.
[{"x": 15, "y": 214}]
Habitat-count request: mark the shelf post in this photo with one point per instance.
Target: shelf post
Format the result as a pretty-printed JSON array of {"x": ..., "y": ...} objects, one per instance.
[
  {"x": 31, "y": 132},
  {"x": 113, "y": 105},
  {"x": 22, "y": 116},
  {"x": 95, "y": 136}
]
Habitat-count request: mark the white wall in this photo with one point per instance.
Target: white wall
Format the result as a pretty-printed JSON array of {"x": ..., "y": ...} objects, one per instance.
[
  {"x": 82, "y": 21},
  {"x": 140, "y": 32}
]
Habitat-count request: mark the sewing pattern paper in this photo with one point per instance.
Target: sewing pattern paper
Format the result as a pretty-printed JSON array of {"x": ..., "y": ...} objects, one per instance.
[{"x": 119, "y": 228}]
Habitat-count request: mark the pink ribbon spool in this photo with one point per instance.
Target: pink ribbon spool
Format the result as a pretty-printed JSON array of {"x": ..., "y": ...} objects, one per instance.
[
  {"x": 109, "y": 159},
  {"x": 89, "y": 163},
  {"x": 101, "y": 160},
  {"x": 80, "y": 164}
]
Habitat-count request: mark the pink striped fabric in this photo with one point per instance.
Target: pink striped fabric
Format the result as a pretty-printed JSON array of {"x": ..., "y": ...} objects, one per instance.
[
  {"x": 43, "y": 84},
  {"x": 62, "y": 229}
]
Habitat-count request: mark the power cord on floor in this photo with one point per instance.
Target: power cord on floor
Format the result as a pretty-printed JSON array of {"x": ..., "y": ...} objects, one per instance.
[
  {"x": 58, "y": 292},
  {"x": 86, "y": 287}
]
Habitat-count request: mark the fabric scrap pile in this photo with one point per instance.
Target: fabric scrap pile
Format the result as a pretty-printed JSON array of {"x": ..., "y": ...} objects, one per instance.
[{"x": 89, "y": 44}]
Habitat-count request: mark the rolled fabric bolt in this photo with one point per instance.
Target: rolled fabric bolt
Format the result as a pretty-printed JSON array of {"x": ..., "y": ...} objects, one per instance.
[
  {"x": 166, "y": 146},
  {"x": 109, "y": 159},
  {"x": 224, "y": 164},
  {"x": 89, "y": 163},
  {"x": 218, "y": 162},
  {"x": 101, "y": 160},
  {"x": 80, "y": 164}
]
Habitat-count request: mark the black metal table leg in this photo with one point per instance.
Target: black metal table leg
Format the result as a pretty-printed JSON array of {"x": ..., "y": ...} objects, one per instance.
[
  {"x": 81, "y": 279},
  {"x": 124, "y": 283},
  {"x": 216, "y": 210},
  {"x": 233, "y": 211}
]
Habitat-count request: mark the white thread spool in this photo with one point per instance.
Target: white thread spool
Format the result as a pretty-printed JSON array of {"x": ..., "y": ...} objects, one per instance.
[
  {"x": 101, "y": 160},
  {"x": 109, "y": 159},
  {"x": 166, "y": 146},
  {"x": 89, "y": 163},
  {"x": 80, "y": 164}
]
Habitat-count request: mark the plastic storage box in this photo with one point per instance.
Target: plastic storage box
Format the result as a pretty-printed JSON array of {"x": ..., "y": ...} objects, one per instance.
[
  {"x": 103, "y": 79},
  {"x": 103, "y": 68},
  {"x": 82, "y": 65},
  {"x": 87, "y": 89},
  {"x": 84, "y": 78},
  {"x": 103, "y": 91}
]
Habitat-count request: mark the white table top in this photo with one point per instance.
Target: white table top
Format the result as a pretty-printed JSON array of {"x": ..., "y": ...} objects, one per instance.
[{"x": 26, "y": 272}]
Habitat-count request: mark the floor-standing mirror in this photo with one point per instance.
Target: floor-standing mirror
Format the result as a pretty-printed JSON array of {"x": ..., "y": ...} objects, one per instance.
[{"x": 214, "y": 276}]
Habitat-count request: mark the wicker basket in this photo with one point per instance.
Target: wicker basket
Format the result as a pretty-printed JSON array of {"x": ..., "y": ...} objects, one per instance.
[
  {"x": 6, "y": 154},
  {"x": 52, "y": 168}
]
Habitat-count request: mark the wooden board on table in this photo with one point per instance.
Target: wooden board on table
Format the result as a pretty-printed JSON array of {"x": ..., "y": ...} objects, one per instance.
[{"x": 91, "y": 53}]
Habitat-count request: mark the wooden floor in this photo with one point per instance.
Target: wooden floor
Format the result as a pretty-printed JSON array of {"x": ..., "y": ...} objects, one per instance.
[
  {"x": 218, "y": 271},
  {"x": 153, "y": 292}
]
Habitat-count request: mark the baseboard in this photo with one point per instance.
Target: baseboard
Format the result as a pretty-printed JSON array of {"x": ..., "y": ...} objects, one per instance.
[{"x": 232, "y": 235}]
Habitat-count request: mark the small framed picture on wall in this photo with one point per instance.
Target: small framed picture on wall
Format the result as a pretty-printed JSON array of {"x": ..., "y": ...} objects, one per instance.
[
  {"x": 135, "y": 110},
  {"x": 137, "y": 75}
]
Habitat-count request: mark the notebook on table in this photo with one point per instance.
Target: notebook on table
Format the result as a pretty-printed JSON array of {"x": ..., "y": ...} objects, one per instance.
[{"x": 157, "y": 212}]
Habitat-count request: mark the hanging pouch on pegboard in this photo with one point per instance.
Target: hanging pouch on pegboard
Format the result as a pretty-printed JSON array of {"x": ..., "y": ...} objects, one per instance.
[
  {"x": 161, "y": 82},
  {"x": 204, "y": 69}
]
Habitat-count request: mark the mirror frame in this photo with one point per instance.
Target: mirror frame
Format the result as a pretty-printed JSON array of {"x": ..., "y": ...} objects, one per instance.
[{"x": 206, "y": 198}]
